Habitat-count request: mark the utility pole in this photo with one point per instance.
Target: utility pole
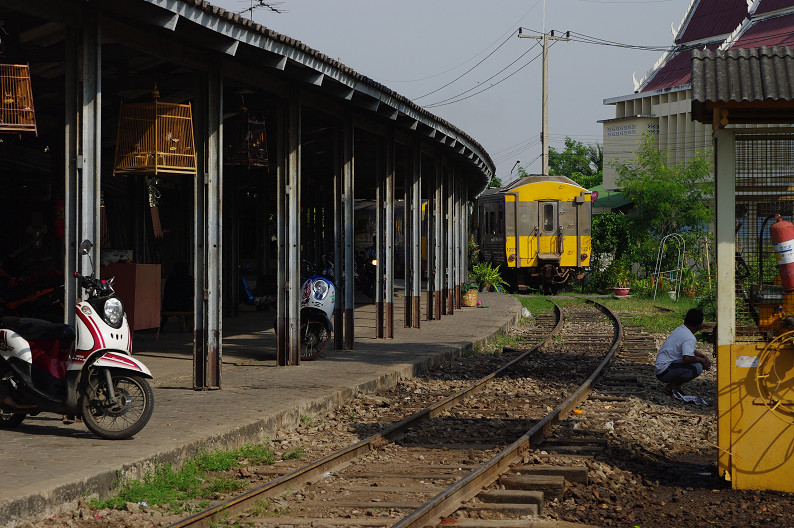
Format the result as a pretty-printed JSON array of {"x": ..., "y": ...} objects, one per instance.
[{"x": 545, "y": 38}]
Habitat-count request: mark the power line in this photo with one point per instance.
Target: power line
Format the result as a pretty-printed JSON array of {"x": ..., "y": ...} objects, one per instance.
[{"x": 445, "y": 101}]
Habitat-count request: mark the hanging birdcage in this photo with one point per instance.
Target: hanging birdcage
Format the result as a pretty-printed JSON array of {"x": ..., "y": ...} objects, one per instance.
[
  {"x": 246, "y": 141},
  {"x": 16, "y": 99},
  {"x": 155, "y": 138}
]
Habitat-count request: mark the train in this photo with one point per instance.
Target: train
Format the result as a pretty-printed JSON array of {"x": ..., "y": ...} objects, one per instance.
[{"x": 537, "y": 230}]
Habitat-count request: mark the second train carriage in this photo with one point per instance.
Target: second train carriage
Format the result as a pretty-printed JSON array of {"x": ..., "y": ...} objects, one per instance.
[{"x": 537, "y": 229}]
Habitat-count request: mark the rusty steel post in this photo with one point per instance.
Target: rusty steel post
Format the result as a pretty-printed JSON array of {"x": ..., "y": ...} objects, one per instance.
[
  {"x": 348, "y": 158},
  {"x": 293, "y": 228},
  {"x": 389, "y": 221},
  {"x": 338, "y": 244},
  {"x": 282, "y": 357},
  {"x": 416, "y": 238}
]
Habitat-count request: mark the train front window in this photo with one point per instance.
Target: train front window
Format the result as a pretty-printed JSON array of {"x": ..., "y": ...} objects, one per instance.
[{"x": 548, "y": 218}]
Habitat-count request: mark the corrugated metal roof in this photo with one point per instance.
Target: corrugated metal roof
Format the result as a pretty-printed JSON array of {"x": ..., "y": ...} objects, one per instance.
[
  {"x": 741, "y": 76},
  {"x": 771, "y": 32},
  {"x": 363, "y": 83},
  {"x": 711, "y": 18}
]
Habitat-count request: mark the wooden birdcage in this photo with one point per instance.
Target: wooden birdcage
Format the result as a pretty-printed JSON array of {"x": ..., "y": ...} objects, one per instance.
[
  {"x": 155, "y": 138},
  {"x": 16, "y": 99},
  {"x": 246, "y": 141}
]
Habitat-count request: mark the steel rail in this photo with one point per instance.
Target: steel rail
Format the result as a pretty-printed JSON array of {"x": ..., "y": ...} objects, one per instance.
[
  {"x": 333, "y": 461},
  {"x": 466, "y": 488}
]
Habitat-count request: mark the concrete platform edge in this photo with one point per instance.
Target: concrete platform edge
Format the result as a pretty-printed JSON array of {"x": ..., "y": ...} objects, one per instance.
[{"x": 66, "y": 497}]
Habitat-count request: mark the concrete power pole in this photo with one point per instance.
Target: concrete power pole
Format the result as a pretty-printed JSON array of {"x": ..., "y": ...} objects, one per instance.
[{"x": 544, "y": 135}]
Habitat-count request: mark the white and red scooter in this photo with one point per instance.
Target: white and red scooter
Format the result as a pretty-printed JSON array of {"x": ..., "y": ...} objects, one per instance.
[{"x": 46, "y": 367}]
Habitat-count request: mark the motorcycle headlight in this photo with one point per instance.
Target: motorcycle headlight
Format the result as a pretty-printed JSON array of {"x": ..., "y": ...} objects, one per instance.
[
  {"x": 113, "y": 312},
  {"x": 320, "y": 288}
]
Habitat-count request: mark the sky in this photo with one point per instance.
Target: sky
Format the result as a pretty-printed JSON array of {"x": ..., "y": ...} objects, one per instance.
[{"x": 447, "y": 55}]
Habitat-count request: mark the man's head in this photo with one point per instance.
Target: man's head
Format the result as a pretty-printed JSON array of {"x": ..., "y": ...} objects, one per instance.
[{"x": 693, "y": 319}]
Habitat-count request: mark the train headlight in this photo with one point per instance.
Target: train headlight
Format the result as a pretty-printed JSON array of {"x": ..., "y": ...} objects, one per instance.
[
  {"x": 512, "y": 257},
  {"x": 583, "y": 256}
]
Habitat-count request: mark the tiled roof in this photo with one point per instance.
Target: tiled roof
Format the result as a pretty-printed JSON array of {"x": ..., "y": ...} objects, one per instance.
[
  {"x": 711, "y": 18},
  {"x": 743, "y": 76}
]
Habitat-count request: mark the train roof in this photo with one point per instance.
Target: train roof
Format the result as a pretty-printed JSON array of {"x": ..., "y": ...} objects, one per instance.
[{"x": 536, "y": 178}]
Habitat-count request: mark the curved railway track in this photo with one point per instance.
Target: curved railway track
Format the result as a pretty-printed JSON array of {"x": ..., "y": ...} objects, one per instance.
[{"x": 468, "y": 463}]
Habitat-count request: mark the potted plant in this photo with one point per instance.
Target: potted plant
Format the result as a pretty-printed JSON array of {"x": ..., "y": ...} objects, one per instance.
[
  {"x": 622, "y": 284},
  {"x": 487, "y": 277},
  {"x": 468, "y": 292}
]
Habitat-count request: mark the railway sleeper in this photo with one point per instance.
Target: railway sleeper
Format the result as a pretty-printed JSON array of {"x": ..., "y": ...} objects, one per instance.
[
  {"x": 569, "y": 473},
  {"x": 504, "y": 497}
]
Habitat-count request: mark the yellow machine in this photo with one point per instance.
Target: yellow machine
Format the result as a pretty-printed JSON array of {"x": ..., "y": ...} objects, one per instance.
[
  {"x": 755, "y": 321},
  {"x": 538, "y": 229}
]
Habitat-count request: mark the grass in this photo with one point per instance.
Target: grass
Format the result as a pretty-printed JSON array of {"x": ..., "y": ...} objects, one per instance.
[
  {"x": 662, "y": 315},
  {"x": 536, "y": 304},
  {"x": 171, "y": 488}
]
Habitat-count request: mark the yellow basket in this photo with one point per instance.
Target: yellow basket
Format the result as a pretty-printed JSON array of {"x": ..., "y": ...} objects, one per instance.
[{"x": 469, "y": 298}]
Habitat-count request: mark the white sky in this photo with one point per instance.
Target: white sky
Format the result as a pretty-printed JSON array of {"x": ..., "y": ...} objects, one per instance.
[{"x": 417, "y": 46}]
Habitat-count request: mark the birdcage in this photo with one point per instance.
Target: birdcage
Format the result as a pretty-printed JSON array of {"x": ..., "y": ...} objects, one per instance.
[
  {"x": 246, "y": 141},
  {"x": 155, "y": 138},
  {"x": 16, "y": 99}
]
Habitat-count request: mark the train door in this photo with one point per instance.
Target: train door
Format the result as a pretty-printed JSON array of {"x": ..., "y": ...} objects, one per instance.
[
  {"x": 548, "y": 226},
  {"x": 527, "y": 233}
]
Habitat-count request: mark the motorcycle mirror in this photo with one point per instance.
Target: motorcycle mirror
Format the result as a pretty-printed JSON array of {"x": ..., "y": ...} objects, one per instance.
[{"x": 85, "y": 247}]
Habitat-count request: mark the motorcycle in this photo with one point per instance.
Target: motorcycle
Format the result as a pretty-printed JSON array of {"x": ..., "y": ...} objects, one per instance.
[
  {"x": 318, "y": 301},
  {"x": 87, "y": 371}
]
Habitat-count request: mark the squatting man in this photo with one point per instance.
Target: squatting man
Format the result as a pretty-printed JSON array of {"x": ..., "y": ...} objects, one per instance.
[{"x": 677, "y": 361}]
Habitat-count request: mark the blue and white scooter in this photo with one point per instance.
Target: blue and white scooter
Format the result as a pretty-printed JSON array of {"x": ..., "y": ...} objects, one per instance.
[{"x": 318, "y": 301}]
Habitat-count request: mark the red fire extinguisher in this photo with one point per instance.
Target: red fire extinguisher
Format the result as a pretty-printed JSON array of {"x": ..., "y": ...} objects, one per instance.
[{"x": 782, "y": 233}]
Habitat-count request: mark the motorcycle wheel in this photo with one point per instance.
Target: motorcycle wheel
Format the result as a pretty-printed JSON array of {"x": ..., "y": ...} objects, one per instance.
[
  {"x": 9, "y": 420},
  {"x": 130, "y": 413},
  {"x": 314, "y": 337}
]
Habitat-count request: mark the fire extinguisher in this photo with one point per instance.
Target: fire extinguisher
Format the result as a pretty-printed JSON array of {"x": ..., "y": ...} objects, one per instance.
[{"x": 782, "y": 233}]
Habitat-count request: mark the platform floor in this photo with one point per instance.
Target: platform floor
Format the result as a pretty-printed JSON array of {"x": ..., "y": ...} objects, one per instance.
[{"x": 46, "y": 464}]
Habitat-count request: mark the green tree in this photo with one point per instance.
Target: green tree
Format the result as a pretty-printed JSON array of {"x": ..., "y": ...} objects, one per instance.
[
  {"x": 582, "y": 163},
  {"x": 669, "y": 198},
  {"x": 495, "y": 182}
]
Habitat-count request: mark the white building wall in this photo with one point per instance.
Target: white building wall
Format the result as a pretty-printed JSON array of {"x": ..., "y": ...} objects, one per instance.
[{"x": 668, "y": 114}]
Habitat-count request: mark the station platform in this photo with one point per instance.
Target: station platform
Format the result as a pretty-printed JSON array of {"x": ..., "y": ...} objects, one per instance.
[{"x": 48, "y": 466}]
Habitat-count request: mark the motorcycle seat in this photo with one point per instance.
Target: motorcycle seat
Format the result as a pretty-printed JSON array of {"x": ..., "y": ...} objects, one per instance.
[{"x": 31, "y": 328}]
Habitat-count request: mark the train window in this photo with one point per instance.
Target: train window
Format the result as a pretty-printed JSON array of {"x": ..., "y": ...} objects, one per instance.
[{"x": 548, "y": 217}]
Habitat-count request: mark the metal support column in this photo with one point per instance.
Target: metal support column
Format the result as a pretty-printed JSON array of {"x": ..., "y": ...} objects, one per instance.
[
  {"x": 449, "y": 293},
  {"x": 89, "y": 158},
  {"x": 460, "y": 270},
  {"x": 438, "y": 233},
  {"x": 293, "y": 230},
  {"x": 208, "y": 253},
  {"x": 380, "y": 178},
  {"x": 348, "y": 197},
  {"x": 71, "y": 174},
  {"x": 416, "y": 238},
  {"x": 338, "y": 243},
  {"x": 282, "y": 163},
  {"x": 408, "y": 237},
  {"x": 389, "y": 221}
]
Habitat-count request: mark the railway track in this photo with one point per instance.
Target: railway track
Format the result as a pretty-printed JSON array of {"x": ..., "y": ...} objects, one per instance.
[{"x": 461, "y": 459}]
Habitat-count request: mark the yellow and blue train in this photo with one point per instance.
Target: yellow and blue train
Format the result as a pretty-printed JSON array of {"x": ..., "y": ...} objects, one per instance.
[{"x": 537, "y": 229}]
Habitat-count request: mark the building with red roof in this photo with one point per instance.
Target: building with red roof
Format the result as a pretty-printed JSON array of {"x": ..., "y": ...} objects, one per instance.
[{"x": 662, "y": 101}]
